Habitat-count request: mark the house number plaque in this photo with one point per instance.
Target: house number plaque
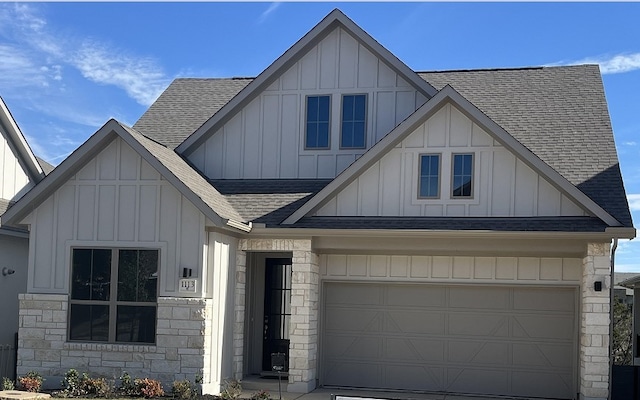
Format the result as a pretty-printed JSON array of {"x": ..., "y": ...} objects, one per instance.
[{"x": 187, "y": 285}]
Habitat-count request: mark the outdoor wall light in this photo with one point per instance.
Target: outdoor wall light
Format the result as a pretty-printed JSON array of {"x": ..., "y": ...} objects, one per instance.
[
  {"x": 7, "y": 271},
  {"x": 597, "y": 286},
  {"x": 186, "y": 272}
]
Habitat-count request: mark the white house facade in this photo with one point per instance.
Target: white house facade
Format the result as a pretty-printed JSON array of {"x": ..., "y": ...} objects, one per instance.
[{"x": 377, "y": 227}]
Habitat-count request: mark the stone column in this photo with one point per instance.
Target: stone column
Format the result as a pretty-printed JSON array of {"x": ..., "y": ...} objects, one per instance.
[
  {"x": 303, "y": 331},
  {"x": 594, "y": 323},
  {"x": 239, "y": 311}
]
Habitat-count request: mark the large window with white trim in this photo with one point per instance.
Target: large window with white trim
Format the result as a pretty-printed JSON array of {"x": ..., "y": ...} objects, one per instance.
[
  {"x": 354, "y": 117},
  {"x": 113, "y": 295},
  {"x": 429, "y": 183},
  {"x": 317, "y": 119}
]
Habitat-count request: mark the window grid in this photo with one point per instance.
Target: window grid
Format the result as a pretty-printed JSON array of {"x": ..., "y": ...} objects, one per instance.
[
  {"x": 318, "y": 122},
  {"x": 462, "y": 176},
  {"x": 108, "y": 314},
  {"x": 354, "y": 116},
  {"x": 429, "y": 183}
]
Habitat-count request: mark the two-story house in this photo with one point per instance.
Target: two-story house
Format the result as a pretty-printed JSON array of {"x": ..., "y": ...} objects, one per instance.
[{"x": 383, "y": 228}]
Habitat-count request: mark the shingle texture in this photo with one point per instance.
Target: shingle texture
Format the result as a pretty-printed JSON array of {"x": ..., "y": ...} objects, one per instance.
[
  {"x": 184, "y": 106},
  {"x": 559, "y": 113},
  {"x": 4, "y": 205}
]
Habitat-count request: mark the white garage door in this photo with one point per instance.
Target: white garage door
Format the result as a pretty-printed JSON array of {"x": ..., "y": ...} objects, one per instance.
[{"x": 498, "y": 340}]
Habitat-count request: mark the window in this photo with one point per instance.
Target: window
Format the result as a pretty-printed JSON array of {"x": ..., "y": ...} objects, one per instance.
[
  {"x": 113, "y": 295},
  {"x": 462, "y": 182},
  {"x": 317, "y": 135},
  {"x": 429, "y": 184},
  {"x": 354, "y": 115}
]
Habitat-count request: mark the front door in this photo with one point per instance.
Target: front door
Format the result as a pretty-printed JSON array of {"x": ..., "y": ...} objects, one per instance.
[{"x": 277, "y": 311}]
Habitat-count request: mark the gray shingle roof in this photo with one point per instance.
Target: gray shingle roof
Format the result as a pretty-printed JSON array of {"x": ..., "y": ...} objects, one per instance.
[
  {"x": 268, "y": 201},
  {"x": 559, "y": 113},
  {"x": 4, "y": 205},
  {"x": 46, "y": 167},
  {"x": 185, "y": 105}
]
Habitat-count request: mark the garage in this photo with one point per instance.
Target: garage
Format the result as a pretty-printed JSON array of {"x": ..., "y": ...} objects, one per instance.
[{"x": 492, "y": 340}]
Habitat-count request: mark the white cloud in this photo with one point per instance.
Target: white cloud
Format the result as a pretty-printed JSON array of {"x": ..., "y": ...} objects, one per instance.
[
  {"x": 140, "y": 78},
  {"x": 634, "y": 201},
  {"x": 268, "y": 11},
  {"x": 39, "y": 52},
  {"x": 609, "y": 64}
]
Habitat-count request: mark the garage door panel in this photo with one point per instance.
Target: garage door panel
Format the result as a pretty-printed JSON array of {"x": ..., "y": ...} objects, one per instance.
[
  {"x": 543, "y": 327},
  {"x": 542, "y": 355},
  {"x": 479, "y": 353},
  {"x": 528, "y": 384},
  {"x": 478, "y": 325},
  {"x": 416, "y": 296},
  {"x": 426, "y": 322},
  {"x": 347, "y": 320},
  {"x": 414, "y": 350},
  {"x": 470, "y": 380},
  {"x": 341, "y": 293},
  {"x": 486, "y": 340},
  {"x": 467, "y": 298},
  {"x": 358, "y": 347},
  {"x": 562, "y": 300},
  {"x": 413, "y": 377}
]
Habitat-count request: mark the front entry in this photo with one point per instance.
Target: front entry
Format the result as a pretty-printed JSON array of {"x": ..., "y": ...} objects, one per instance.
[
  {"x": 268, "y": 312},
  {"x": 277, "y": 311}
]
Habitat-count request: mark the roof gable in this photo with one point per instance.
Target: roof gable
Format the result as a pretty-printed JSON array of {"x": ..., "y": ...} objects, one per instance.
[
  {"x": 173, "y": 168},
  {"x": 10, "y": 130},
  {"x": 449, "y": 95},
  {"x": 331, "y": 22}
]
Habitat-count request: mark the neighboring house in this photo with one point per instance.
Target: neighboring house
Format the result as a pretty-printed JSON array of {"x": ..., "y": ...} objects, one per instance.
[
  {"x": 20, "y": 170},
  {"x": 622, "y": 293},
  {"x": 632, "y": 283},
  {"x": 385, "y": 229}
]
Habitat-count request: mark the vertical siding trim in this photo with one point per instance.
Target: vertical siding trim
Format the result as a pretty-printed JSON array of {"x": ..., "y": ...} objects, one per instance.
[
  {"x": 31, "y": 266},
  {"x": 54, "y": 240},
  {"x": 76, "y": 195},
  {"x": 178, "y": 255},
  {"x": 158, "y": 205}
]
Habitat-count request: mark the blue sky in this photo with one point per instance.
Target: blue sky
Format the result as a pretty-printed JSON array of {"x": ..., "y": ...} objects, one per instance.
[{"x": 66, "y": 68}]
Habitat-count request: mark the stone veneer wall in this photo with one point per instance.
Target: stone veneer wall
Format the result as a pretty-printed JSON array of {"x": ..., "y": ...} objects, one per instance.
[
  {"x": 594, "y": 323},
  {"x": 303, "y": 331},
  {"x": 179, "y": 352}
]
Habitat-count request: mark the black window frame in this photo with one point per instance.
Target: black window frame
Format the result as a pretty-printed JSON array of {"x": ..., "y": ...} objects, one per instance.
[
  {"x": 353, "y": 120},
  {"x": 317, "y": 123}
]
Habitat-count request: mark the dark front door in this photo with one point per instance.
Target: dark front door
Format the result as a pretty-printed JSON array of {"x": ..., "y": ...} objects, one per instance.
[{"x": 277, "y": 310}]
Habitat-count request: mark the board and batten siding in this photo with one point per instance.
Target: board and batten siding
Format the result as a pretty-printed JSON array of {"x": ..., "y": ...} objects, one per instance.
[
  {"x": 266, "y": 138},
  {"x": 13, "y": 179},
  {"x": 503, "y": 185},
  {"x": 116, "y": 200},
  {"x": 412, "y": 268}
]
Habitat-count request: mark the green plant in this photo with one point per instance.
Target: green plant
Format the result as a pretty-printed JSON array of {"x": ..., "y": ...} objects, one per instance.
[
  {"x": 231, "y": 389},
  {"x": 8, "y": 384},
  {"x": 96, "y": 386},
  {"x": 149, "y": 388},
  {"x": 32, "y": 382},
  {"x": 127, "y": 385},
  {"x": 182, "y": 390},
  {"x": 261, "y": 395},
  {"x": 71, "y": 386}
]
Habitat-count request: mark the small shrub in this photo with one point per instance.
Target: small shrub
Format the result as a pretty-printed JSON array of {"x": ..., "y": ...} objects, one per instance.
[
  {"x": 32, "y": 382},
  {"x": 8, "y": 384},
  {"x": 96, "y": 386},
  {"x": 127, "y": 386},
  {"x": 71, "y": 385},
  {"x": 261, "y": 395},
  {"x": 231, "y": 389},
  {"x": 182, "y": 390},
  {"x": 149, "y": 387}
]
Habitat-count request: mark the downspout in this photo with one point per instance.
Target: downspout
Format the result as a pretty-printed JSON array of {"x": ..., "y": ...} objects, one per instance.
[{"x": 611, "y": 300}]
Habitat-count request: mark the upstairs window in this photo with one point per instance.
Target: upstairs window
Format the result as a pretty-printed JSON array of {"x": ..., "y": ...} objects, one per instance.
[
  {"x": 113, "y": 295},
  {"x": 354, "y": 115},
  {"x": 429, "y": 184},
  {"x": 462, "y": 178},
  {"x": 318, "y": 114}
]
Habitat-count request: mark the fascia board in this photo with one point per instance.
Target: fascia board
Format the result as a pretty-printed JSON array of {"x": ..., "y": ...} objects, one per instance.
[
  {"x": 292, "y": 55},
  {"x": 34, "y": 170},
  {"x": 471, "y": 111}
]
